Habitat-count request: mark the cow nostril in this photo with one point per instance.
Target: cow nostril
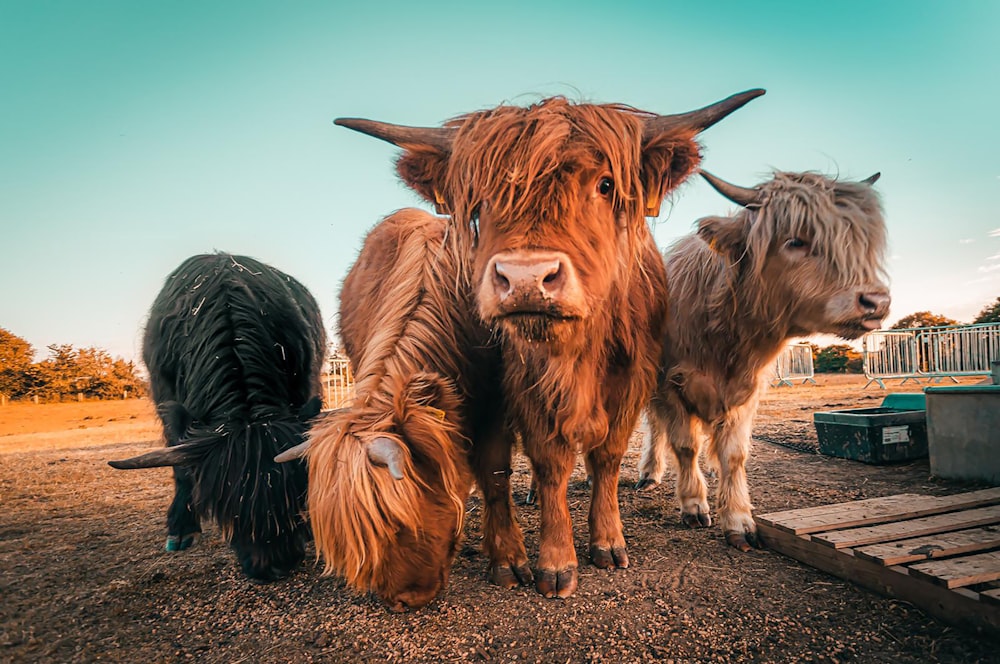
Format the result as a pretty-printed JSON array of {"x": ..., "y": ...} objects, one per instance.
[
  {"x": 553, "y": 278},
  {"x": 866, "y": 303}
]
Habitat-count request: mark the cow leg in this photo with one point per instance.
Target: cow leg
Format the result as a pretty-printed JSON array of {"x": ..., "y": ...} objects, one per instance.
[
  {"x": 557, "y": 565},
  {"x": 692, "y": 493},
  {"x": 183, "y": 525},
  {"x": 731, "y": 446},
  {"x": 607, "y": 543},
  {"x": 503, "y": 540},
  {"x": 653, "y": 461}
]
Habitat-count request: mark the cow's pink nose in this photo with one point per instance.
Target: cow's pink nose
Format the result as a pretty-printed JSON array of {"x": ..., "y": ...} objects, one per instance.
[
  {"x": 528, "y": 279},
  {"x": 875, "y": 303}
]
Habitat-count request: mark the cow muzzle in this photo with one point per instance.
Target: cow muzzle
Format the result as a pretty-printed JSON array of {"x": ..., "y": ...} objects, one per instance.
[
  {"x": 873, "y": 304},
  {"x": 532, "y": 283}
]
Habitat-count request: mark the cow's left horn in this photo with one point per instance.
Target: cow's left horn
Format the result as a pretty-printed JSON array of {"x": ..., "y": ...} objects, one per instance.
[
  {"x": 400, "y": 135},
  {"x": 872, "y": 179},
  {"x": 168, "y": 456},
  {"x": 699, "y": 120},
  {"x": 387, "y": 452},
  {"x": 293, "y": 453},
  {"x": 739, "y": 195}
]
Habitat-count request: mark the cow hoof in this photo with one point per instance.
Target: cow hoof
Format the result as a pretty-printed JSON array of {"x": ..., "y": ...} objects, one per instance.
[
  {"x": 603, "y": 558},
  {"x": 529, "y": 498},
  {"x": 743, "y": 541},
  {"x": 697, "y": 520},
  {"x": 738, "y": 541},
  {"x": 645, "y": 483},
  {"x": 179, "y": 543},
  {"x": 552, "y": 583},
  {"x": 511, "y": 576}
]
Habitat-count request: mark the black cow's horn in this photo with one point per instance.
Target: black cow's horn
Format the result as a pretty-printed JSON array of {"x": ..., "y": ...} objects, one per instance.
[
  {"x": 401, "y": 135},
  {"x": 739, "y": 195},
  {"x": 698, "y": 120},
  {"x": 168, "y": 456},
  {"x": 293, "y": 453},
  {"x": 872, "y": 179},
  {"x": 387, "y": 452}
]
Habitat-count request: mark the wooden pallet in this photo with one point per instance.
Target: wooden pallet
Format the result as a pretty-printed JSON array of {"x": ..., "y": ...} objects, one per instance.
[{"x": 941, "y": 554}]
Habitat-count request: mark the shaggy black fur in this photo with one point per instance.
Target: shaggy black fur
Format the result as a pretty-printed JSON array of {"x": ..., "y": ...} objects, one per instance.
[{"x": 234, "y": 350}]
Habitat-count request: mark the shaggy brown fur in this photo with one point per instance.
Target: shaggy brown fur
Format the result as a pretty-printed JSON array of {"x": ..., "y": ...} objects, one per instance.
[
  {"x": 547, "y": 207},
  {"x": 412, "y": 352},
  {"x": 806, "y": 258}
]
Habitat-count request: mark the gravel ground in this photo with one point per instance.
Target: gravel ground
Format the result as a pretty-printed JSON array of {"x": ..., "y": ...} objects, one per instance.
[{"x": 83, "y": 574}]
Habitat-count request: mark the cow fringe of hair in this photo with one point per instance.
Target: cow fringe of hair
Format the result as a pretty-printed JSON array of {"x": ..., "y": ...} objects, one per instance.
[
  {"x": 357, "y": 508},
  {"x": 541, "y": 139},
  {"x": 237, "y": 480}
]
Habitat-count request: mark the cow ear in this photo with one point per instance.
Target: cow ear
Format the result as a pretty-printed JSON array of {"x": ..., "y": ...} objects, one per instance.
[
  {"x": 666, "y": 162},
  {"x": 176, "y": 420},
  {"x": 310, "y": 409},
  {"x": 423, "y": 169},
  {"x": 726, "y": 236}
]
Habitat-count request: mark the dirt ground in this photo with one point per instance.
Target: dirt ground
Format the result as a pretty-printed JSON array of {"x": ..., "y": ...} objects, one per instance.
[{"x": 84, "y": 577}]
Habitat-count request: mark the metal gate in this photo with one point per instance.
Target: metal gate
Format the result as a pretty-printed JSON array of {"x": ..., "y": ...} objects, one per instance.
[
  {"x": 934, "y": 353},
  {"x": 794, "y": 363}
]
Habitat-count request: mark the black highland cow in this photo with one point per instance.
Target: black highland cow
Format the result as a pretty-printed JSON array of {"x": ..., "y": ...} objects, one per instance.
[{"x": 234, "y": 349}]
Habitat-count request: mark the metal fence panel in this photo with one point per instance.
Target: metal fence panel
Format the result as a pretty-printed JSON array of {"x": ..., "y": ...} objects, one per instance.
[
  {"x": 794, "y": 363},
  {"x": 934, "y": 353}
]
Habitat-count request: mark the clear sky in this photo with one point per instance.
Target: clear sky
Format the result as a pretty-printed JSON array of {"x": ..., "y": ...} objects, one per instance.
[{"x": 134, "y": 134}]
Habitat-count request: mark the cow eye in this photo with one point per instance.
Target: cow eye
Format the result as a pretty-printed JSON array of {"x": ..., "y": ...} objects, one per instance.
[
  {"x": 474, "y": 226},
  {"x": 605, "y": 185},
  {"x": 796, "y": 243}
]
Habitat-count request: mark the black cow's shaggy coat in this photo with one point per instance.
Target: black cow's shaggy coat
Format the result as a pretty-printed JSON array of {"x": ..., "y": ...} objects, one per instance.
[{"x": 234, "y": 350}]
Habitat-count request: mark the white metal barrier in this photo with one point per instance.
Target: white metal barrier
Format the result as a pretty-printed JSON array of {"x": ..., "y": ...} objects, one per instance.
[
  {"x": 934, "y": 353},
  {"x": 339, "y": 383},
  {"x": 794, "y": 363}
]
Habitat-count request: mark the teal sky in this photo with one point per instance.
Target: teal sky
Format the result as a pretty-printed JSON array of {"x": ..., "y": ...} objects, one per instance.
[{"x": 134, "y": 134}]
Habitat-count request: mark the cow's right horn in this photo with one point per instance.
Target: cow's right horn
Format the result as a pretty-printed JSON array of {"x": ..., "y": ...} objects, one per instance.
[
  {"x": 739, "y": 195},
  {"x": 400, "y": 135},
  {"x": 872, "y": 179},
  {"x": 387, "y": 452},
  {"x": 177, "y": 455}
]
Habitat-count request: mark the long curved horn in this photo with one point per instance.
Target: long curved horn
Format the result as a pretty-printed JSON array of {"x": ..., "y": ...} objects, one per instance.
[
  {"x": 739, "y": 195},
  {"x": 402, "y": 136},
  {"x": 698, "y": 120},
  {"x": 387, "y": 452},
  {"x": 168, "y": 456},
  {"x": 872, "y": 179}
]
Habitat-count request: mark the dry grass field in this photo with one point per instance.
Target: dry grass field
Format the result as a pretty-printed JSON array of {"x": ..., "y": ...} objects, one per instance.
[{"x": 83, "y": 574}]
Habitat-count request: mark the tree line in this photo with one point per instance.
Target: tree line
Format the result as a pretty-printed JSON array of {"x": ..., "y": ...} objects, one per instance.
[
  {"x": 841, "y": 358},
  {"x": 68, "y": 373}
]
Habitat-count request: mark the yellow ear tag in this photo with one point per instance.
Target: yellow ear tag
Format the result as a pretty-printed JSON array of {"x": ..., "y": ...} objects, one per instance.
[
  {"x": 653, "y": 206},
  {"x": 439, "y": 205},
  {"x": 437, "y": 412}
]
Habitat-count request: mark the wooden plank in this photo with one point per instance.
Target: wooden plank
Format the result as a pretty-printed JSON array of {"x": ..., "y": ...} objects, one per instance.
[
  {"x": 991, "y": 596},
  {"x": 875, "y": 510},
  {"x": 897, "y": 530},
  {"x": 958, "y": 572},
  {"x": 932, "y": 546},
  {"x": 959, "y": 606}
]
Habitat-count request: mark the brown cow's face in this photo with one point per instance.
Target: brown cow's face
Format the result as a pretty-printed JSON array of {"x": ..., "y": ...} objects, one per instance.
[
  {"x": 814, "y": 252},
  {"x": 540, "y": 278},
  {"x": 387, "y": 489},
  {"x": 550, "y": 201}
]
